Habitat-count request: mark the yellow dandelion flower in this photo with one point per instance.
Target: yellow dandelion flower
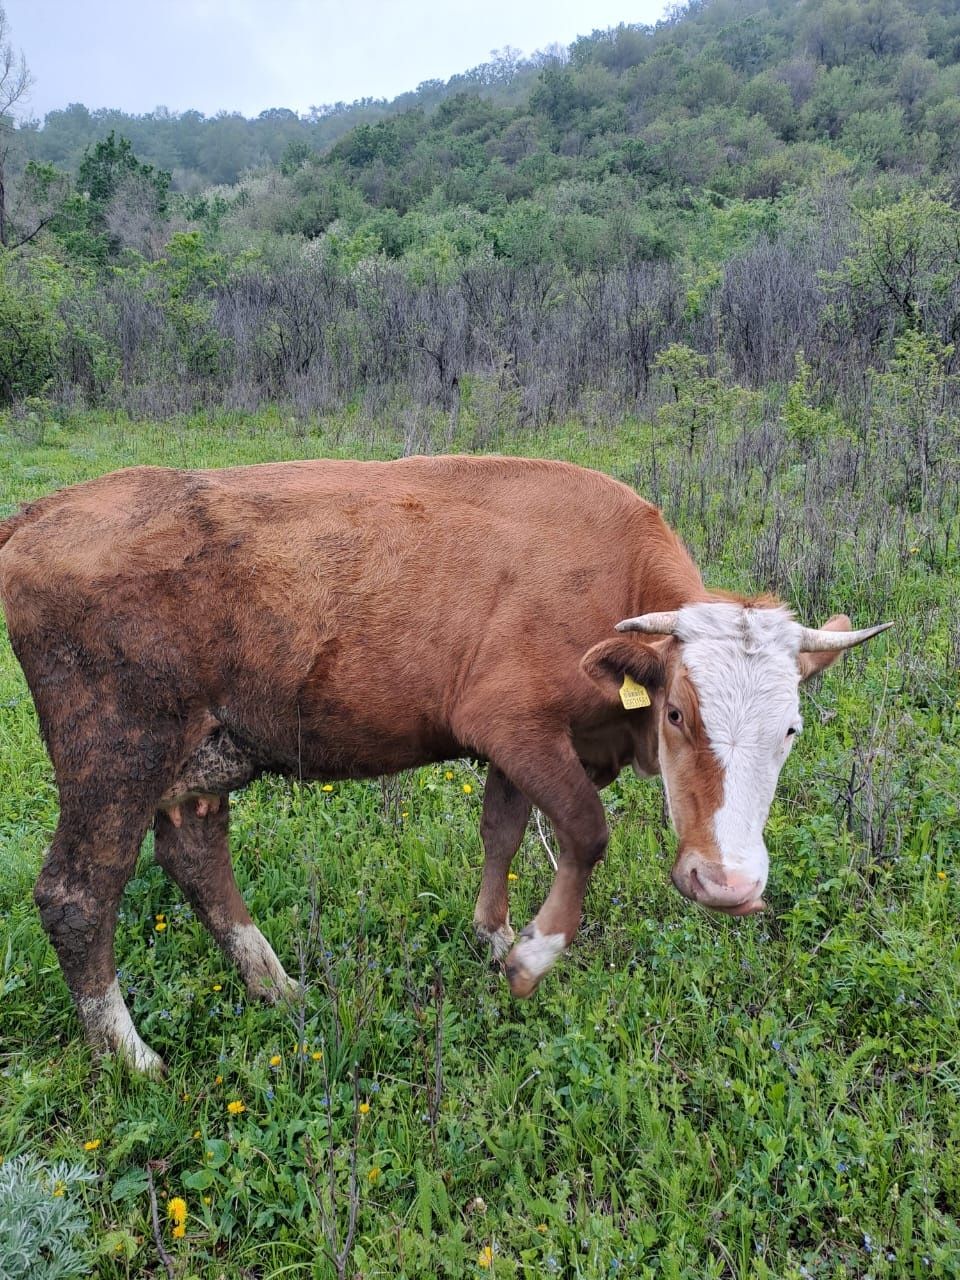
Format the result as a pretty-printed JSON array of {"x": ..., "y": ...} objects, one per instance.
[
  {"x": 467, "y": 789},
  {"x": 218, "y": 1079},
  {"x": 485, "y": 1257},
  {"x": 364, "y": 1108},
  {"x": 235, "y": 1107},
  {"x": 404, "y": 814},
  {"x": 91, "y": 1145},
  {"x": 217, "y": 986},
  {"x": 160, "y": 926},
  {"x": 276, "y": 1060},
  {"x": 449, "y": 775},
  {"x": 196, "y": 1134},
  {"x": 542, "y": 1228},
  {"x": 374, "y": 1174},
  {"x": 159, "y": 917},
  {"x": 941, "y": 875},
  {"x": 185, "y": 1097},
  {"x": 177, "y": 1210},
  {"x": 317, "y": 1055},
  {"x": 208, "y": 1199},
  {"x": 327, "y": 786},
  {"x": 59, "y": 1187},
  {"x": 179, "y": 1231},
  {"x": 512, "y": 875}
]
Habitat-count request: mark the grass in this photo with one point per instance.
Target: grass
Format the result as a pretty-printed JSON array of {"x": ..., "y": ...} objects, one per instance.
[{"x": 687, "y": 1096}]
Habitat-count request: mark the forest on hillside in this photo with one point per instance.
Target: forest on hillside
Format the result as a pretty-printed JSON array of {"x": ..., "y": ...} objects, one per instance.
[{"x": 747, "y": 195}]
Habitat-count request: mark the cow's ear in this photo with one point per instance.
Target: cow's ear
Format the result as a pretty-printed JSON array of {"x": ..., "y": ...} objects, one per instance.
[
  {"x": 812, "y": 664},
  {"x": 609, "y": 662}
]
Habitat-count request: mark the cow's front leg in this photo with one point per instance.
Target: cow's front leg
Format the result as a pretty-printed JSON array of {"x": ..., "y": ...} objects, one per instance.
[
  {"x": 192, "y": 846},
  {"x": 553, "y": 778},
  {"x": 505, "y": 814}
]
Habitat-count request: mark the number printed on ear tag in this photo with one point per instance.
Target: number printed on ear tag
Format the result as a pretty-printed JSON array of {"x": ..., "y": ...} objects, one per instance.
[{"x": 633, "y": 695}]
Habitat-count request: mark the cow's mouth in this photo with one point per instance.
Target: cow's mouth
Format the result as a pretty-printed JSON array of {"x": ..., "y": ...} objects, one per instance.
[
  {"x": 731, "y": 899},
  {"x": 744, "y": 908}
]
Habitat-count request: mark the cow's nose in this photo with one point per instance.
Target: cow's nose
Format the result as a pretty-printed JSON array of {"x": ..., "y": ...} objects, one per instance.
[{"x": 720, "y": 890}]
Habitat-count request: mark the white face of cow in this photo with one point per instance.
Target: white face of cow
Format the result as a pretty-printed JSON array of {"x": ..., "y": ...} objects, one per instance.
[
  {"x": 730, "y": 714},
  {"x": 725, "y": 694}
]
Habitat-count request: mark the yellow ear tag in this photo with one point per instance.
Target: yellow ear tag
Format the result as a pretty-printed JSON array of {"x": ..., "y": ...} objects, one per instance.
[{"x": 633, "y": 695}]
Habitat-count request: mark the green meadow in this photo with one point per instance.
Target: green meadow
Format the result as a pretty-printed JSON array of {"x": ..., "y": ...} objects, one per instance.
[{"x": 687, "y": 1096}]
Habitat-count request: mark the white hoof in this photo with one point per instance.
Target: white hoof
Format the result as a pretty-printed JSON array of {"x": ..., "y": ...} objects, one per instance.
[
  {"x": 500, "y": 940},
  {"x": 263, "y": 974},
  {"x": 533, "y": 956},
  {"x": 107, "y": 1022}
]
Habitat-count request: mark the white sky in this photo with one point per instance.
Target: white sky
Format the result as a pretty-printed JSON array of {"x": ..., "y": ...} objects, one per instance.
[{"x": 247, "y": 55}]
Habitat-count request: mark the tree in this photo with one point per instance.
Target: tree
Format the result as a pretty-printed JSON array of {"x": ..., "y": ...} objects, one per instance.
[
  {"x": 905, "y": 267},
  {"x": 115, "y": 192},
  {"x": 15, "y": 80}
]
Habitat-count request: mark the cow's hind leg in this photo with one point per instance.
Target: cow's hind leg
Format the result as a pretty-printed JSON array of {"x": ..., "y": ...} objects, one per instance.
[
  {"x": 193, "y": 848},
  {"x": 88, "y": 864},
  {"x": 505, "y": 814},
  {"x": 114, "y": 736}
]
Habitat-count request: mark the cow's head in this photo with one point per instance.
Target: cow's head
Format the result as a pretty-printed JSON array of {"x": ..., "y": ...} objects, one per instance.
[{"x": 723, "y": 680}]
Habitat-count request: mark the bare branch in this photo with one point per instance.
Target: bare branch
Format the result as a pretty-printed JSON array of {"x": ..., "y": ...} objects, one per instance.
[
  {"x": 15, "y": 77},
  {"x": 160, "y": 1166}
]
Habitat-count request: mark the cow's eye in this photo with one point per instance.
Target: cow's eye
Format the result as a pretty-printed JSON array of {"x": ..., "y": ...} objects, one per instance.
[{"x": 675, "y": 716}]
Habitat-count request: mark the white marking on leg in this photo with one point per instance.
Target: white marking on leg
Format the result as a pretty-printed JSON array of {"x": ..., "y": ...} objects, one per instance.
[
  {"x": 500, "y": 940},
  {"x": 264, "y": 975},
  {"x": 108, "y": 1024},
  {"x": 537, "y": 952}
]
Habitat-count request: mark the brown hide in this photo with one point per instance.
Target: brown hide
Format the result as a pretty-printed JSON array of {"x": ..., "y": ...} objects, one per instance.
[{"x": 351, "y": 619}]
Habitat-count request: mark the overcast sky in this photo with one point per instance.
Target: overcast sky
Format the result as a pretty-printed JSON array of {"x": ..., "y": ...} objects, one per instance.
[{"x": 246, "y": 55}]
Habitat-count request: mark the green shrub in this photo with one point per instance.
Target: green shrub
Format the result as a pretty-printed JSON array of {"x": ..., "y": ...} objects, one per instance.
[{"x": 42, "y": 1226}]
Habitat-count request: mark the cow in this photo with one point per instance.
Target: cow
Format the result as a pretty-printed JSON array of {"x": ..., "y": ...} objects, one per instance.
[{"x": 183, "y": 632}]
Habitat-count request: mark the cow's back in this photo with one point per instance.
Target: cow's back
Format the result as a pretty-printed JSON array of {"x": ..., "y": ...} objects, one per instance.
[{"x": 372, "y": 594}]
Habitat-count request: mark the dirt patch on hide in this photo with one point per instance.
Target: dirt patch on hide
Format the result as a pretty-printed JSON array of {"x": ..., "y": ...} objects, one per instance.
[{"x": 221, "y": 763}]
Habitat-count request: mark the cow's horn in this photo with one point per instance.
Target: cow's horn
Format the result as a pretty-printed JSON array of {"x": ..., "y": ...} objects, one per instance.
[
  {"x": 813, "y": 640},
  {"x": 658, "y": 624}
]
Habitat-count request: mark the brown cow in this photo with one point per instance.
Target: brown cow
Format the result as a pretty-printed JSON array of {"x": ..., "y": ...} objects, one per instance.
[{"x": 183, "y": 632}]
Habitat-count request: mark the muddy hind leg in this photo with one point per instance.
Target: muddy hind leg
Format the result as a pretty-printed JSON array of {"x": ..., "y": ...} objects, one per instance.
[
  {"x": 91, "y": 857},
  {"x": 504, "y": 820},
  {"x": 193, "y": 848}
]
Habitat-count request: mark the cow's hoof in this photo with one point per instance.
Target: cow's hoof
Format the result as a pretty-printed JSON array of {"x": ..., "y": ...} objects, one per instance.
[
  {"x": 522, "y": 983},
  {"x": 136, "y": 1057},
  {"x": 109, "y": 1027},
  {"x": 533, "y": 956},
  {"x": 271, "y": 990},
  {"x": 263, "y": 975},
  {"x": 148, "y": 1063},
  {"x": 500, "y": 940}
]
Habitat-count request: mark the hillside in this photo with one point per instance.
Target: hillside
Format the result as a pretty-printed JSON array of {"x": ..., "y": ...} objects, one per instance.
[
  {"x": 731, "y": 94},
  {"x": 753, "y": 181}
]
